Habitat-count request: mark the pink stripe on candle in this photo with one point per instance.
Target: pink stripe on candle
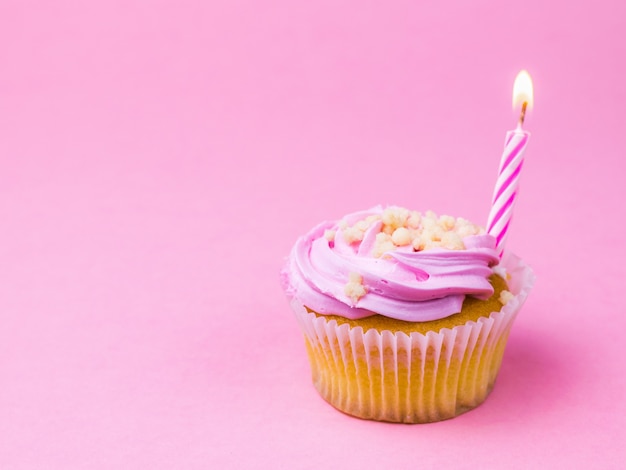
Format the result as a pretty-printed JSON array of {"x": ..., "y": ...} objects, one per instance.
[
  {"x": 513, "y": 176},
  {"x": 505, "y": 191},
  {"x": 501, "y": 211},
  {"x": 501, "y": 236},
  {"x": 516, "y": 150}
]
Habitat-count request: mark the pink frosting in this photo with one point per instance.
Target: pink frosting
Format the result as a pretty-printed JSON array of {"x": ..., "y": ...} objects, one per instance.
[{"x": 404, "y": 284}]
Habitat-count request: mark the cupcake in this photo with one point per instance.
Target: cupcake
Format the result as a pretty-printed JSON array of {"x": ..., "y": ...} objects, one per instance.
[{"x": 405, "y": 315}]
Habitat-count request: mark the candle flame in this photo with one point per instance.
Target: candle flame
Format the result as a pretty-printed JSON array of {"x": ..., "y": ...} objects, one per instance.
[{"x": 523, "y": 91}]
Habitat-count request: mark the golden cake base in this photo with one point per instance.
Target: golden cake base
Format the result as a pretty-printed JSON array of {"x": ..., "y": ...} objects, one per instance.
[{"x": 390, "y": 370}]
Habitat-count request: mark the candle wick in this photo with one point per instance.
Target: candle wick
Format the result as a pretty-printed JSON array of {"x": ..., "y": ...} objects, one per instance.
[{"x": 522, "y": 113}]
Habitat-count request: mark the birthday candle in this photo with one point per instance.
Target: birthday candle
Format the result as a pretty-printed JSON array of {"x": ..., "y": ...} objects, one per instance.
[{"x": 505, "y": 191}]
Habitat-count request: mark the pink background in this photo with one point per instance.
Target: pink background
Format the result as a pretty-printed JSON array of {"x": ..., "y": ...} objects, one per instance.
[{"x": 160, "y": 158}]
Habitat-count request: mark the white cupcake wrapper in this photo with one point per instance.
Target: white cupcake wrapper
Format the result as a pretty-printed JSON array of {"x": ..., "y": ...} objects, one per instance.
[{"x": 412, "y": 378}]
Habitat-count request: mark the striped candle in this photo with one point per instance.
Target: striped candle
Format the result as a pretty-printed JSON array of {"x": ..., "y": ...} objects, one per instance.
[{"x": 505, "y": 191}]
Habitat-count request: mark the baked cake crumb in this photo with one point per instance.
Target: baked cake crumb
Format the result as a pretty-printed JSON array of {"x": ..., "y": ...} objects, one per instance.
[
  {"x": 330, "y": 235},
  {"x": 404, "y": 229},
  {"x": 401, "y": 236},
  {"x": 384, "y": 243},
  {"x": 452, "y": 241},
  {"x": 393, "y": 218},
  {"x": 447, "y": 222},
  {"x": 352, "y": 234},
  {"x": 355, "y": 288},
  {"x": 414, "y": 219},
  {"x": 505, "y": 297}
]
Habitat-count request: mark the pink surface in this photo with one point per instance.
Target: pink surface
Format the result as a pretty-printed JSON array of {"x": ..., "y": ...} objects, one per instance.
[{"x": 160, "y": 158}]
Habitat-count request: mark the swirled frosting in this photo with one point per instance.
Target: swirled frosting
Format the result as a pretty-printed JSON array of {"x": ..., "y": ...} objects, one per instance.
[{"x": 391, "y": 262}]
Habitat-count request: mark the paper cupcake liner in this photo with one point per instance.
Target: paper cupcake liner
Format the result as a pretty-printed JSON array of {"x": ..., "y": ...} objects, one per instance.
[{"x": 411, "y": 378}]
